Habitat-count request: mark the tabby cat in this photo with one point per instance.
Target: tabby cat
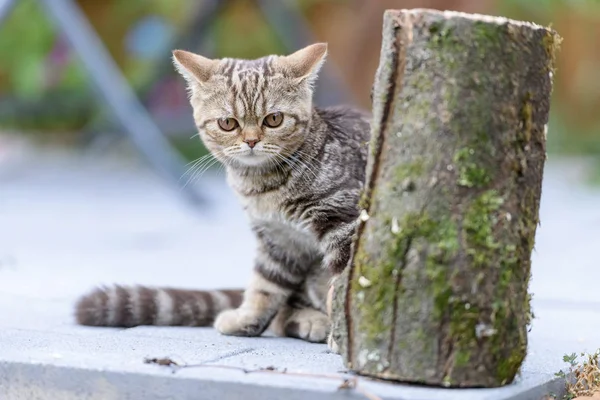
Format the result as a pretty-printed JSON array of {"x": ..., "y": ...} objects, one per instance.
[{"x": 297, "y": 171}]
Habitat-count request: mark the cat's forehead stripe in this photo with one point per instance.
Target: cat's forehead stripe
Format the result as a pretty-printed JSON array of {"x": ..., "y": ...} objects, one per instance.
[
  {"x": 231, "y": 66},
  {"x": 247, "y": 81},
  {"x": 249, "y": 89}
]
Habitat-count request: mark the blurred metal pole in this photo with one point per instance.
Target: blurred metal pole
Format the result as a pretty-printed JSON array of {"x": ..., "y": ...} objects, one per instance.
[
  {"x": 6, "y": 7},
  {"x": 117, "y": 93},
  {"x": 293, "y": 30},
  {"x": 193, "y": 38},
  {"x": 197, "y": 32}
]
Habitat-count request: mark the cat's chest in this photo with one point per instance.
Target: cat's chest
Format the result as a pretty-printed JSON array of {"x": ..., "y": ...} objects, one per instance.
[
  {"x": 266, "y": 212},
  {"x": 267, "y": 206}
]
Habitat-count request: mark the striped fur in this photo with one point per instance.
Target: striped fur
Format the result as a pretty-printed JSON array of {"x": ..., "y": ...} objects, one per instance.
[
  {"x": 298, "y": 182},
  {"x": 128, "y": 306}
]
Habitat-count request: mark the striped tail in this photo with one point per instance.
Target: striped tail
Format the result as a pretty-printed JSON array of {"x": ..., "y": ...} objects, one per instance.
[{"x": 129, "y": 306}]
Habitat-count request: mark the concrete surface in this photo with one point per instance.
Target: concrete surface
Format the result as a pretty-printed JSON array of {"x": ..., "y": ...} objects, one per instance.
[{"x": 68, "y": 223}]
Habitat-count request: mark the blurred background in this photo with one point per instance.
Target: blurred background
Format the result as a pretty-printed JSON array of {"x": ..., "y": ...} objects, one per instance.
[
  {"x": 46, "y": 95},
  {"x": 79, "y": 205}
]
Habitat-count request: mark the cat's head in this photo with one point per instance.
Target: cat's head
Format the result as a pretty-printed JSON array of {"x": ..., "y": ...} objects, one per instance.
[{"x": 252, "y": 112}]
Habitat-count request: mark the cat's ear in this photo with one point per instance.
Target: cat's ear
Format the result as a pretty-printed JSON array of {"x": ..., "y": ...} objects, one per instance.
[
  {"x": 194, "y": 67},
  {"x": 306, "y": 63}
]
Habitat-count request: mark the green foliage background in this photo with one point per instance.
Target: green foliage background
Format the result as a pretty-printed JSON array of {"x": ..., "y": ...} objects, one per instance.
[{"x": 27, "y": 102}]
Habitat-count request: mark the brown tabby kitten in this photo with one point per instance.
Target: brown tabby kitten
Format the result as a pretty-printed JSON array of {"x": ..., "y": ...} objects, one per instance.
[{"x": 297, "y": 171}]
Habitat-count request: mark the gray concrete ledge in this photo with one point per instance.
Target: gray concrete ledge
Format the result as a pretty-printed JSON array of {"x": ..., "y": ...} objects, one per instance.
[
  {"x": 87, "y": 363},
  {"x": 47, "y": 381}
]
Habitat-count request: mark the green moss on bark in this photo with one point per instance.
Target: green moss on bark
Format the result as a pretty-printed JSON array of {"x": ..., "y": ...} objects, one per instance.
[
  {"x": 527, "y": 119},
  {"x": 478, "y": 224},
  {"x": 411, "y": 170},
  {"x": 470, "y": 171},
  {"x": 551, "y": 42},
  {"x": 376, "y": 285}
]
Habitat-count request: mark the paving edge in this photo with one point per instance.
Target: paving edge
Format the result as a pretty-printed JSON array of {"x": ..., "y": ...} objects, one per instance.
[
  {"x": 37, "y": 381},
  {"x": 27, "y": 381},
  {"x": 553, "y": 389}
]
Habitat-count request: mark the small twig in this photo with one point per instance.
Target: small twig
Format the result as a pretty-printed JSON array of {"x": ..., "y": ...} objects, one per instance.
[
  {"x": 165, "y": 362},
  {"x": 347, "y": 383}
]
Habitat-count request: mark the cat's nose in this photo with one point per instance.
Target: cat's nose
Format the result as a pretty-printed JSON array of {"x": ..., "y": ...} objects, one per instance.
[{"x": 251, "y": 142}]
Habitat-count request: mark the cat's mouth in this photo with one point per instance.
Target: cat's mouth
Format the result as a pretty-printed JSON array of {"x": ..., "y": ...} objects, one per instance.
[{"x": 253, "y": 157}]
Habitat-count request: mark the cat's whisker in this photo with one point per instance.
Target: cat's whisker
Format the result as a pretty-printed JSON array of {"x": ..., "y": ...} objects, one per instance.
[
  {"x": 308, "y": 157},
  {"x": 309, "y": 162},
  {"x": 195, "y": 163},
  {"x": 192, "y": 176},
  {"x": 208, "y": 159},
  {"x": 274, "y": 161},
  {"x": 298, "y": 164},
  {"x": 270, "y": 146},
  {"x": 221, "y": 168},
  {"x": 199, "y": 168},
  {"x": 294, "y": 167},
  {"x": 307, "y": 167},
  {"x": 278, "y": 161},
  {"x": 201, "y": 171},
  {"x": 192, "y": 170},
  {"x": 209, "y": 154}
]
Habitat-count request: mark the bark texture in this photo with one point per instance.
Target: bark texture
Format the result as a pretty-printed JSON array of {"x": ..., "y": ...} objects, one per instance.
[{"x": 437, "y": 289}]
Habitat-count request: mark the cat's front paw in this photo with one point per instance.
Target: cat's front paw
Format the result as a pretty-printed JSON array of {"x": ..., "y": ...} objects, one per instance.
[{"x": 239, "y": 323}]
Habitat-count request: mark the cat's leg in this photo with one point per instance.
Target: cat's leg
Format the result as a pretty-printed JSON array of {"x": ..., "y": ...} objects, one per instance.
[
  {"x": 262, "y": 301},
  {"x": 280, "y": 269},
  {"x": 307, "y": 324},
  {"x": 277, "y": 274},
  {"x": 337, "y": 247},
  {"x": 302, "y": 323},
  {"x": 336, "y": 244}
]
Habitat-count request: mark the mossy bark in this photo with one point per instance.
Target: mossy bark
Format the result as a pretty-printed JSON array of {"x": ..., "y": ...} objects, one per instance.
[{"x": 437, "y": 289}]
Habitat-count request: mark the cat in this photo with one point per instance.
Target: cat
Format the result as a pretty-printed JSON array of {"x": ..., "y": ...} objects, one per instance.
[{"x": 298, "y": 172}]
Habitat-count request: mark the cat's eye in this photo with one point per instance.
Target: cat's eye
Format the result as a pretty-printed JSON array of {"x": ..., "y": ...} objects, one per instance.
[
  {"x": 227, "y": 124},
  {"x": 273, "y": 120}
]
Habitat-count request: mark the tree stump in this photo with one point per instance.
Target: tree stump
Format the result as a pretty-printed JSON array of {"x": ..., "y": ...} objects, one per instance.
[{"x": 436, "y": 291}]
